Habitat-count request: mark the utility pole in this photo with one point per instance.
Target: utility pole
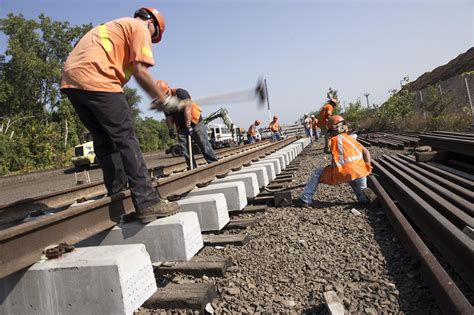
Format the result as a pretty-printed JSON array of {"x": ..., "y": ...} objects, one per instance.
[
  {"x": 367, "y": 98},
  {"x": 268, "y": 101}
]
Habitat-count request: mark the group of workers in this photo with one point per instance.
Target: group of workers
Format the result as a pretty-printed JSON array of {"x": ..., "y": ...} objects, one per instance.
[
  {"x": 311, "y": 127},
  {"x": 104, "y": 60},
  {"x": 274, "y": 127},
  {"x": 350, "y": 161}
]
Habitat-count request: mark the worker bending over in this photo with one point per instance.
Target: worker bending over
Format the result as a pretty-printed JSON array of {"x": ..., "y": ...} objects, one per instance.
[
  {"x": 252, "y": 131},
  {"x": 274, "y": 126},
  {"x": 324, "y": 114},
  {"x": 189, "y": 123},
  {"x": 350, "y": 164},
  {"x": 98, "y": 67}
]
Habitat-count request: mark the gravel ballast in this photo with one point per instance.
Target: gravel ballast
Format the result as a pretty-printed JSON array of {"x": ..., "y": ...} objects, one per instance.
[{"x": 297, "y": 254}]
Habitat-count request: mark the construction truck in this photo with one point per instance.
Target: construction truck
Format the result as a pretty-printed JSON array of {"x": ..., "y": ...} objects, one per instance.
[
  {"x": 219, "y": 135},
  {"x": 225, "y": 135},
  {"x": 84, "y": 155}
]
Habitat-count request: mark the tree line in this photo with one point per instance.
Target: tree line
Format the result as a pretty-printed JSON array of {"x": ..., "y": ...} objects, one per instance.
[{"x": 38, "y": 125}]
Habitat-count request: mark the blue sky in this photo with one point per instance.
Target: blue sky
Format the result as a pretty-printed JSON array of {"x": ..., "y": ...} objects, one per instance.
[{"x": 301, "y": 47}]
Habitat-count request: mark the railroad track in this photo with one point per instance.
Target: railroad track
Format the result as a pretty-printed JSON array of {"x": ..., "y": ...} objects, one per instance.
[
  {"x": 22, "y": 245},
  {"x": 57, "y": 201},
  {"x": 429, "y": 200}
]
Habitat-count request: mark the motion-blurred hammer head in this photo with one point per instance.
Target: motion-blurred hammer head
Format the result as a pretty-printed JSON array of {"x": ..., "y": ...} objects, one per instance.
[{"x": 260, "y": 92}]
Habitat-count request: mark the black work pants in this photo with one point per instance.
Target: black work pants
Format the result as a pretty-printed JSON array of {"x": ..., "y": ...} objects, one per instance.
[{"x": 109, "y": 120}]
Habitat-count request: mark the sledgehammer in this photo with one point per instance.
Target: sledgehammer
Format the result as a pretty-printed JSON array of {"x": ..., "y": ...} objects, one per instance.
[{"x": 258, "y": 92}]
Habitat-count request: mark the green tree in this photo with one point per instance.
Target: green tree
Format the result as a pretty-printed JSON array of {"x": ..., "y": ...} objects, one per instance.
[
  {"x": 133, "y": 100},
  {"x": 32, "y": 64}
]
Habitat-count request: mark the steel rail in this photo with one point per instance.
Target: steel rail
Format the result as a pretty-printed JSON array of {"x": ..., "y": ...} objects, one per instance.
[
  {"x": 458, "y": 195},
  {"x": 462, "y": 146},
  {"x": 168, "y": 169},
  {"x": 456, "y": 189},
  {"x": 22, "y": 245},
  {"x": 455, "y": 246},
  {"x": 17, "y": 210},
  {"x": 457, "y": 216},
  {"x": 448, "y": 296},
  {"x": 174, "y": 185},
  {"x": 452, "y": 170},
  {"x": 447, "y": 176}
]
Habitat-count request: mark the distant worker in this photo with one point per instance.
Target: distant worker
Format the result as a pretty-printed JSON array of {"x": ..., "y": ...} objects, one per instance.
[
  {"x": 314, "y": 126},
  {"x": 98, "y": 67},
  {"x": 252, "y": 131},
  {"x": 350, "y": 164},
  {"x": 307, "y": 126},
  {"x": 188, "y": 122},
  {"x": 324, "y": 114},
  {"x": 274, "y": 126}
]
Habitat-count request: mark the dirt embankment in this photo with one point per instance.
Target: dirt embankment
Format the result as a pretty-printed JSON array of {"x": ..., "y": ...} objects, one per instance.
[{"x": 459, "y": 65}]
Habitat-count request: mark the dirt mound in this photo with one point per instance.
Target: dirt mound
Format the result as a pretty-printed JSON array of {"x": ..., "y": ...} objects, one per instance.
[{"x": 459, "y": 65}]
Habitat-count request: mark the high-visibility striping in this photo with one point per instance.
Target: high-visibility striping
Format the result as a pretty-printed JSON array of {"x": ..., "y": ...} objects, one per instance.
[
  {"x": 340, "y": 149},
  {"x": 128, "y": 73},
  {"x": 147, "y": 52},
  {"x": 104, "y": 38}
]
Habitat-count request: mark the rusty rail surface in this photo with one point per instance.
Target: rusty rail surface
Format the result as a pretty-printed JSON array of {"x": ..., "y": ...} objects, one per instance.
[
  {"x": 463, "y": 144},
  {"x": 448, "y": 296},
  {"x": 17, "y": 210},
  {"x": 22, "y": 245},
  {"x": 455, "y": 246}
]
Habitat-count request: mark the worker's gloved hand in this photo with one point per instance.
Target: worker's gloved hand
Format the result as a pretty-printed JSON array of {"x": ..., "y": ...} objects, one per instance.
[
  {"x": 171, "y": 133},
  {"x": 188, "y": 131},
  {"x": 170, "y": 104}
]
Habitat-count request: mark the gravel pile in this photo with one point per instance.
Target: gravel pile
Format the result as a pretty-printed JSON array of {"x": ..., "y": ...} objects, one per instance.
[{"x": 297, "y": 254}]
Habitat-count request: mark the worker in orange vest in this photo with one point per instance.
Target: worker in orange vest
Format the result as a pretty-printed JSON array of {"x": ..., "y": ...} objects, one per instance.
[
  {"x": 188, "y": 122},
  {"x": 252, "y": 131},
  {"x": 94, "y": 73},
  {"x": 314, "y": 125},
  {"x": 350, "y": 164},
  {"x": 274, "y": 126},
  {"x": 323, "y": 117}
]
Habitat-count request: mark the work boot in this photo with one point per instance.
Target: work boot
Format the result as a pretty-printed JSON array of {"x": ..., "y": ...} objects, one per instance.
[
  {"x": 374, "y": 201},
  {"x": 300, "y": 203},
  {"x": 158, "y": 210}
]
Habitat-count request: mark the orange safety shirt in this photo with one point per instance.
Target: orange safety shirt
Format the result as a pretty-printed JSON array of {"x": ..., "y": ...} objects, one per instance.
[
  {"x": 179, "y": 120},
  {"x": 314, "y": 123},
  {"x": 102, "y": 60},
  {"x": 274, "y": 126},
  {"x": 348, "y": 161},
  {"x": 252, "y": 131},
  {"x": 324, "y": 115}
]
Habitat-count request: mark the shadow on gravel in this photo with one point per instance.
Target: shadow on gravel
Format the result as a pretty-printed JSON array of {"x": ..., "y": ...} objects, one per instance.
[{"x": 414, "y": 294}]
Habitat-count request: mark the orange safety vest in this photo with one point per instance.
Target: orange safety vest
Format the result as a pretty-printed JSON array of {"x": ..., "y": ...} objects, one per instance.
[
  {"x": 315, "y": 124},
  {"x": 323, "y": 115},
  {"x": 348, "y": 161},
  {"x": 195, "y": 113},
  {"x": 274, "y": 126}
]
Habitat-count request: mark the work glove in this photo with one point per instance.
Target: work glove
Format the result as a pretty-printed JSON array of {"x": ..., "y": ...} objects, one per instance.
[
  {"x": 171, "y": 133},
  {"x": 188, "y": 131},
  {"x": 171, "y": 104}
]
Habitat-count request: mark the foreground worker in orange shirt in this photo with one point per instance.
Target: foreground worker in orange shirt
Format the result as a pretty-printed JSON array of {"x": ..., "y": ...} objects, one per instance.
[
  {"x": 252, "y": 131},
  {"x": 188, "y": 122},
  {"x": 274, "y": 126},
  {"x": 94, "y": 73},
  {"x": 350, "y": 164},
  {"x": 324, "y": 114}
]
